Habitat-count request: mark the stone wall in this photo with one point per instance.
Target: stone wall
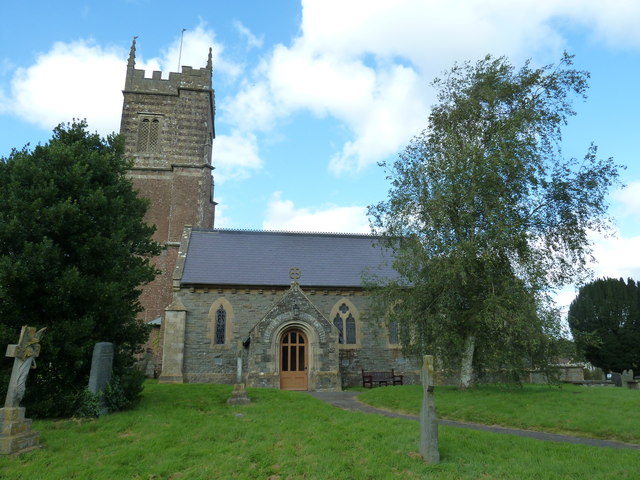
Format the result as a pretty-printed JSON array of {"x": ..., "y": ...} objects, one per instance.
[{"x": 206, "y": 362}]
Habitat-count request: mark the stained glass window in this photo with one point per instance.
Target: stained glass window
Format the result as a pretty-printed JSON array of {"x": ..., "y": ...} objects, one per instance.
[
  {"x": 351, "y": 329},
  {"x": 345, "y": 322},
  {"x": 221, "y": 325},
  {"x": 338, "y": 323}
]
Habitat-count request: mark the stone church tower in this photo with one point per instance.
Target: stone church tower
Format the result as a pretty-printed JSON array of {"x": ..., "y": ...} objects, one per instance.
[{"x": 168, "y": 129}]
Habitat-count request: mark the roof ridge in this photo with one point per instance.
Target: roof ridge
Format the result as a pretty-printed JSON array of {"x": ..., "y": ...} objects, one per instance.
[{"x": 286, "y": 232}]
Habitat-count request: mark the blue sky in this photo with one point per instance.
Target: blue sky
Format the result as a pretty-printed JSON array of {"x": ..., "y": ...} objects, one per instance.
[{"x": 311, "y": 95}]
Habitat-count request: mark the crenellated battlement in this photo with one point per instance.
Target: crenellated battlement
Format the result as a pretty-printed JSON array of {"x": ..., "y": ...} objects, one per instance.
[{"x": 188, "y": 78}]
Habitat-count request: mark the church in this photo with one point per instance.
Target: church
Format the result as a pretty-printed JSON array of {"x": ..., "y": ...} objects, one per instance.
[{"x": 271, "y": 309}]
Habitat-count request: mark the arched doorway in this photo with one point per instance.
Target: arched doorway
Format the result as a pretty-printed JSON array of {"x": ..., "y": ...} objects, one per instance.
[{"x": 293, "y": 360}]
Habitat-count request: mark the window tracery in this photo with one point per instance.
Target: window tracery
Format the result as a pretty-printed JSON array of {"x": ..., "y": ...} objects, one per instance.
[{"x": 345, "y": 322}]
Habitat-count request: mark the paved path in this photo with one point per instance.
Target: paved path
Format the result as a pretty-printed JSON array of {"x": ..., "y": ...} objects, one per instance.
[{"x": 348, "y": 401}]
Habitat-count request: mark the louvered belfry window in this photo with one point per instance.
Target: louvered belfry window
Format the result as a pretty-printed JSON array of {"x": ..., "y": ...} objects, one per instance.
[{"x": 149, "y": 135}]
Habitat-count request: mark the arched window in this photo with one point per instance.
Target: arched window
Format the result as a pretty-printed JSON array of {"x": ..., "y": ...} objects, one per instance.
[
  {"x": 221, "y": 325},
  {"x": 351, "y": 329},
  {"x": 345, "y": 322},
  {"x": 143, "y": 134},
  {"x": 393, "y": 333},
  {"x": 149, "y": 135}
]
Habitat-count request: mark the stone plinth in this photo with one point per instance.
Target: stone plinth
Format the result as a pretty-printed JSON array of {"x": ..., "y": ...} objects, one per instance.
[
  {"x": 16, "y": 436},
  {"x": 239, "y": 395}
]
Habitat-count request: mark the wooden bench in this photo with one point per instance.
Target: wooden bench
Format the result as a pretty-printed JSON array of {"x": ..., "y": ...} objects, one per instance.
[{"x": 380, "y": 379}]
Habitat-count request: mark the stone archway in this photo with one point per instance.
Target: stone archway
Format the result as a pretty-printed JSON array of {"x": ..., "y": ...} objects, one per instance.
[{"x": 294, "y": 312}]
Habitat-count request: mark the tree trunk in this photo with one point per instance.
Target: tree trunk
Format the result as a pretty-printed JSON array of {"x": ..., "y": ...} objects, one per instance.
[{"x": 466, "y": 369}]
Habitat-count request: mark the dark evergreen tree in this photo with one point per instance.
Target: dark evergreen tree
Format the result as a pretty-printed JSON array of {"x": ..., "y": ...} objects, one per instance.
[
  {"x": 605, "y": 322},
  {"x": 486, "y": 216},
  {"x": 74, "y": 251}
]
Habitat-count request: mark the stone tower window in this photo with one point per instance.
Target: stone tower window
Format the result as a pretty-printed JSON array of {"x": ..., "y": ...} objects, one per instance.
[
  {"x": 221, "y": 325},
  {"x": 149, "y": 134}
]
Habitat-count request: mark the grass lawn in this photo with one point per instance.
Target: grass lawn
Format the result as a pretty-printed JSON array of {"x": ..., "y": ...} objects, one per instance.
[
  {"x": 597, "y": 412},
  {"x": 188, "y": 432}
]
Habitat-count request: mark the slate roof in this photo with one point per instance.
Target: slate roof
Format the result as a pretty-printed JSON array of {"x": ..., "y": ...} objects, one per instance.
[{"x": 245, "y": 257}]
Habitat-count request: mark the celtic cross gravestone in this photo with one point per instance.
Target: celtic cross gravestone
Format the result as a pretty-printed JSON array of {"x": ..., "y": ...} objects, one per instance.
[{"x": 15, "y": 431}]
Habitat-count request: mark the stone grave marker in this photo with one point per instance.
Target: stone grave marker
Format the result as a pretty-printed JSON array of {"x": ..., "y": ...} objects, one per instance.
[
  {"x": 239, "y": 394},
  {"x": 628, "y": 380},
  {"x": 616, "y": 378},
  {"x": 428, "y": 418},
  {"x": 101, "y": 370},
  {"x": 16, "y": 436}
]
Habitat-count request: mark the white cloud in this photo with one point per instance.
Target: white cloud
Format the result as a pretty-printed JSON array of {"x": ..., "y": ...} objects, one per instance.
[
  {"x": 397, "y": 111},
  {"x": 367, "y": 63},
  {"x": 284, "y": 215},
  {"x": 82, "y": 79},
  {"x": 73, "y": 80},
  {"x": 617, "y": 257},
  {"x": 629, "y": 199},
  {"x": 251, "y": 109},
  {"x": 382, "y": 108},
  {"x": 221, "y": 220},
  {"x": 616, "y": 22},
  {"x": 235, "y": 156},
  {"x": 252, "y": 40}
]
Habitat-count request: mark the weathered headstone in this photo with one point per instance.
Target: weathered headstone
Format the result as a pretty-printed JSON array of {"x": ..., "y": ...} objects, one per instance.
[
  {"x": 101, "y": 366},
  {"x": 616, "y": 378},
  {"x": 428, "y": 418},
  {"x": 628, "y": 380},
  {"x": 101, "y": 370},
  {"x": 16, "y": 436}
]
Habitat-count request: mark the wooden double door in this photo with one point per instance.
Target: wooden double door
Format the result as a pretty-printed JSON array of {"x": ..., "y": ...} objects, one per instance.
[{"x": 294, "y": 353}]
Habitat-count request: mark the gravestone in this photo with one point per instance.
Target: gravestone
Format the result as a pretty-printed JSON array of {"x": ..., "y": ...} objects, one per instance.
[
  {"x": 101, "y": 370},
  {"x": 16, "y": 436},
  {"x": 428, "y": 418},
  {"x": 616, "y": 378},
  {"x": 101, "y": 366},
  {"x": 628, "y": 380}
]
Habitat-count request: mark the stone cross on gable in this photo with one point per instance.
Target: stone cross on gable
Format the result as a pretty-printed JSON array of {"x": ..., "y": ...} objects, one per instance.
[
  {"x": 295, "y": 274},
  {"x": 24, "y": 354}
]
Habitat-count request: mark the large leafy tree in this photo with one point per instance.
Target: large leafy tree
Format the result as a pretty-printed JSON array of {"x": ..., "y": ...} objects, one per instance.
[
  {"x": 605, "y": 322},
  {"x": 485, "y": 216},
  {"x": 74, "y": 251}
]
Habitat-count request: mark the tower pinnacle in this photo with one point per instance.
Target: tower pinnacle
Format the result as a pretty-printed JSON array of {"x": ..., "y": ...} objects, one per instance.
[
  {"x": 210, "y": 60},
  {"x": 132, "y": 54}
]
